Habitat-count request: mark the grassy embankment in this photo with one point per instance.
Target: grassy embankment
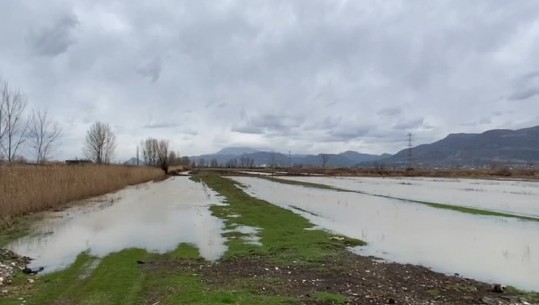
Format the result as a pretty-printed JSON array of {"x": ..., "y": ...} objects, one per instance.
[
  {"x": 28, "y": 189},
  {"x": 177, "y": 277},
  {"x": 456, "y": 208}
]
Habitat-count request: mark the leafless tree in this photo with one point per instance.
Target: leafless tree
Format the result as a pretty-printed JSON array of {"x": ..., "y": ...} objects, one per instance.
[
  {"x": 185, "y": 161},
  {"x": 43, "y": 135},
  {"x": 13, "y": 125},
  {"x": 162, "y": 155},
  {"x": 100, "y": 143},
  {"x": 150, "y": 147},
  {"x": 155, "y": 153},
  {"x": 138, "y": 157},
  {"x": 324, "y": 158},
  {"x": 175, "y": 159}
]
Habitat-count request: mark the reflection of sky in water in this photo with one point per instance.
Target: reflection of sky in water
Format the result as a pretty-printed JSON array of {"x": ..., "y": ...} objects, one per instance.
[
  {"x": 486, "y": 248},
  {"x": 516, "y": 197},
  {"x": 157, "y": 217}
]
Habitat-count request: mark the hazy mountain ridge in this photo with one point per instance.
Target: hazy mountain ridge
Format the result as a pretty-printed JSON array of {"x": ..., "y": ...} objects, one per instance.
[
  {"x": 493, "y": 147},
  {"x": 268, "y": 158}
]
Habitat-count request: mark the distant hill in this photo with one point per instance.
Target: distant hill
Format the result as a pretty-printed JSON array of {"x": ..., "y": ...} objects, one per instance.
[
  {"x": 243, "y": 155},
  {"x": 494, "y": 147}
]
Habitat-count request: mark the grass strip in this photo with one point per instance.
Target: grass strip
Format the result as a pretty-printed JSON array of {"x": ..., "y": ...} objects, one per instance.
[{"x": 284, "y": 234}]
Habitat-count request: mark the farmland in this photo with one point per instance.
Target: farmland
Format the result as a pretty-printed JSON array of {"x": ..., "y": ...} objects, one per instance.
[{"x": 210, "y": 239}]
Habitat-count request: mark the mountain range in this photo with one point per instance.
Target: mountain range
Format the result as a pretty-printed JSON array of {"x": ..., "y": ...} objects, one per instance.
[
  {"x": 244, "y": 156},
  {"x": 493, "y": 147}
]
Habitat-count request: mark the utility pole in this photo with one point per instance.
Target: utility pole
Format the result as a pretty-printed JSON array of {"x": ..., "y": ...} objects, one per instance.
[
  {"x": 290, "y": 159},
  {"x": 273, "y": 163},
  {"x": 137, "y": 156},
  {"x": 410, "y": 155}
]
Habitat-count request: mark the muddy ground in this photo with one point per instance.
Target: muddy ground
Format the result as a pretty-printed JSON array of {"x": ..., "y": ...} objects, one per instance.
[{"x": 362, "y": 280}]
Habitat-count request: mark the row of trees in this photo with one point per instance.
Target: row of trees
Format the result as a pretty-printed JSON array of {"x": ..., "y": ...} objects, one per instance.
[
  {"x": 18, "y": 130},
  {"x": 100, "y": 145},
  {"x": 40, "y": 135}
]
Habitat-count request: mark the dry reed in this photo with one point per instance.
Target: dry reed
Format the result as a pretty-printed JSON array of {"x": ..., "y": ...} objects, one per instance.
[{"x": 31, "y": 188}]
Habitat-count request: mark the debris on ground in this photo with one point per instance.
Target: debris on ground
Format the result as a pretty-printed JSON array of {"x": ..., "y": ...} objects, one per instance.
[{"x": 10, "y": 264}]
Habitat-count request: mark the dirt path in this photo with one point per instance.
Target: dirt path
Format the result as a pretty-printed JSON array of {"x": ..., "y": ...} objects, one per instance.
[{"x": 344, "y": 279}]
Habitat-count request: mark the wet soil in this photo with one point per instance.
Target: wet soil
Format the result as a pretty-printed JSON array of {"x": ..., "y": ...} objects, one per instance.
[{"x": 362, "y": 280}]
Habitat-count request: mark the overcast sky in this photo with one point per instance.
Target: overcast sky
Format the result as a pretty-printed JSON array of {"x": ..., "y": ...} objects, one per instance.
[{"x": 304, "y": 76}]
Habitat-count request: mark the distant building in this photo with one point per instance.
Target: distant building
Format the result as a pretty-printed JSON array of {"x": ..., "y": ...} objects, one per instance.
[{"x": 75, "y": 162}]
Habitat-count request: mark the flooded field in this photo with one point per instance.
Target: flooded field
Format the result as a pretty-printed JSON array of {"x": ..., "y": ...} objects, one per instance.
[
  {"x": 491, "y": 249},
  {"x": 514, "y": 197},
  {"x": 154, "y": 216}
]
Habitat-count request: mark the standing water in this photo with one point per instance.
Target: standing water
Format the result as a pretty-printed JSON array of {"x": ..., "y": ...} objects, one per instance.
[
  {"x": 153, "y": 216},
  {"x": 491, "y": 249}
]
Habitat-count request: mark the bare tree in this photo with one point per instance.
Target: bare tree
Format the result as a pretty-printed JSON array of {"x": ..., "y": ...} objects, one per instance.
[
  {"x": 100, "y": 143},
  {"x": 324, "y": 158},
  {"x": 150, "y": 147},
  {"x": 155, "y": 153},
  {"x": 43, "y": 135},
  {"x": 13, "y": 126},
  {"x": 162, "y": 155},
  {"x": 173, "y": 158}
]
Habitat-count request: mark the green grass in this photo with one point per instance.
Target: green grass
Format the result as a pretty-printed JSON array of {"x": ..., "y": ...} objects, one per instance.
[
  {"x": 529, "y": 296},
  {"x": 116, "y": 280},
  {"x": 119, "y": 279},
  {"x": 331, "y": 298},
  {"x": 283, "y": 234},
  {"x": 456, "y": 208}
]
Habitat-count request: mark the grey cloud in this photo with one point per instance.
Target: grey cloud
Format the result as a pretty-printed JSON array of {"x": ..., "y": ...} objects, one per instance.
[
  {"x": 525, "y": 87},
  {"x": 412, "y": 124},
  {"x": 389, "y": 112},
  {"x": 248, "y": 129},
  {"x": 309, "y": 76},
  {"x": 54, "y": 39},
  {"x": 160, "y": 125},
  {"x": 524, "y": 93},
  {"x": 190, "y": 132},
  {"x": 150, "y": 70},
  {"x": 268, "y": 124},
  {"x": 347, "y": 134}
]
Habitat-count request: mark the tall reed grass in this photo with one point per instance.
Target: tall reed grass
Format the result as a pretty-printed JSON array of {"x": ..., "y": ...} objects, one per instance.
[{"x": 31, "y": 188}]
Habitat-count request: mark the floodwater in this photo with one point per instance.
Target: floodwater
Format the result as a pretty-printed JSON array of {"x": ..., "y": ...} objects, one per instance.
[
  {"x": 153, "y": 216},
  {"x": 506, "y": 196},
  {"x": 490, "y": 249}
]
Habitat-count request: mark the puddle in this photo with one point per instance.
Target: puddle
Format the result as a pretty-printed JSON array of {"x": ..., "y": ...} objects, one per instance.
[
  {"x": 250, "y": 234},
  {"x": 156, "y": 217},
  {"x": 513, "y": 197},
  {"x": 490, "y": 249}
]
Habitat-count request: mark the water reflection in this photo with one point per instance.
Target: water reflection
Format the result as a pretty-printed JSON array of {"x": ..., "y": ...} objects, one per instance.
[
  {"x": 514, "y": 197},
  {"x": 486, "y": 248},
  {"x": 156, "y": 217}
]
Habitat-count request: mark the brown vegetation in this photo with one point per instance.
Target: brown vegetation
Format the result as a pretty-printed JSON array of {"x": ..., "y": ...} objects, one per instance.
[
  {"x": 503, "y": 172},
  {"x": 30, "y": 188}
]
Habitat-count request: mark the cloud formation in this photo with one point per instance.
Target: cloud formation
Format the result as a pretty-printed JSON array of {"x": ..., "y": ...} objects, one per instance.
[
  {"x": 301, "y": 76},
  {"x": 54, "y": 39}
]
